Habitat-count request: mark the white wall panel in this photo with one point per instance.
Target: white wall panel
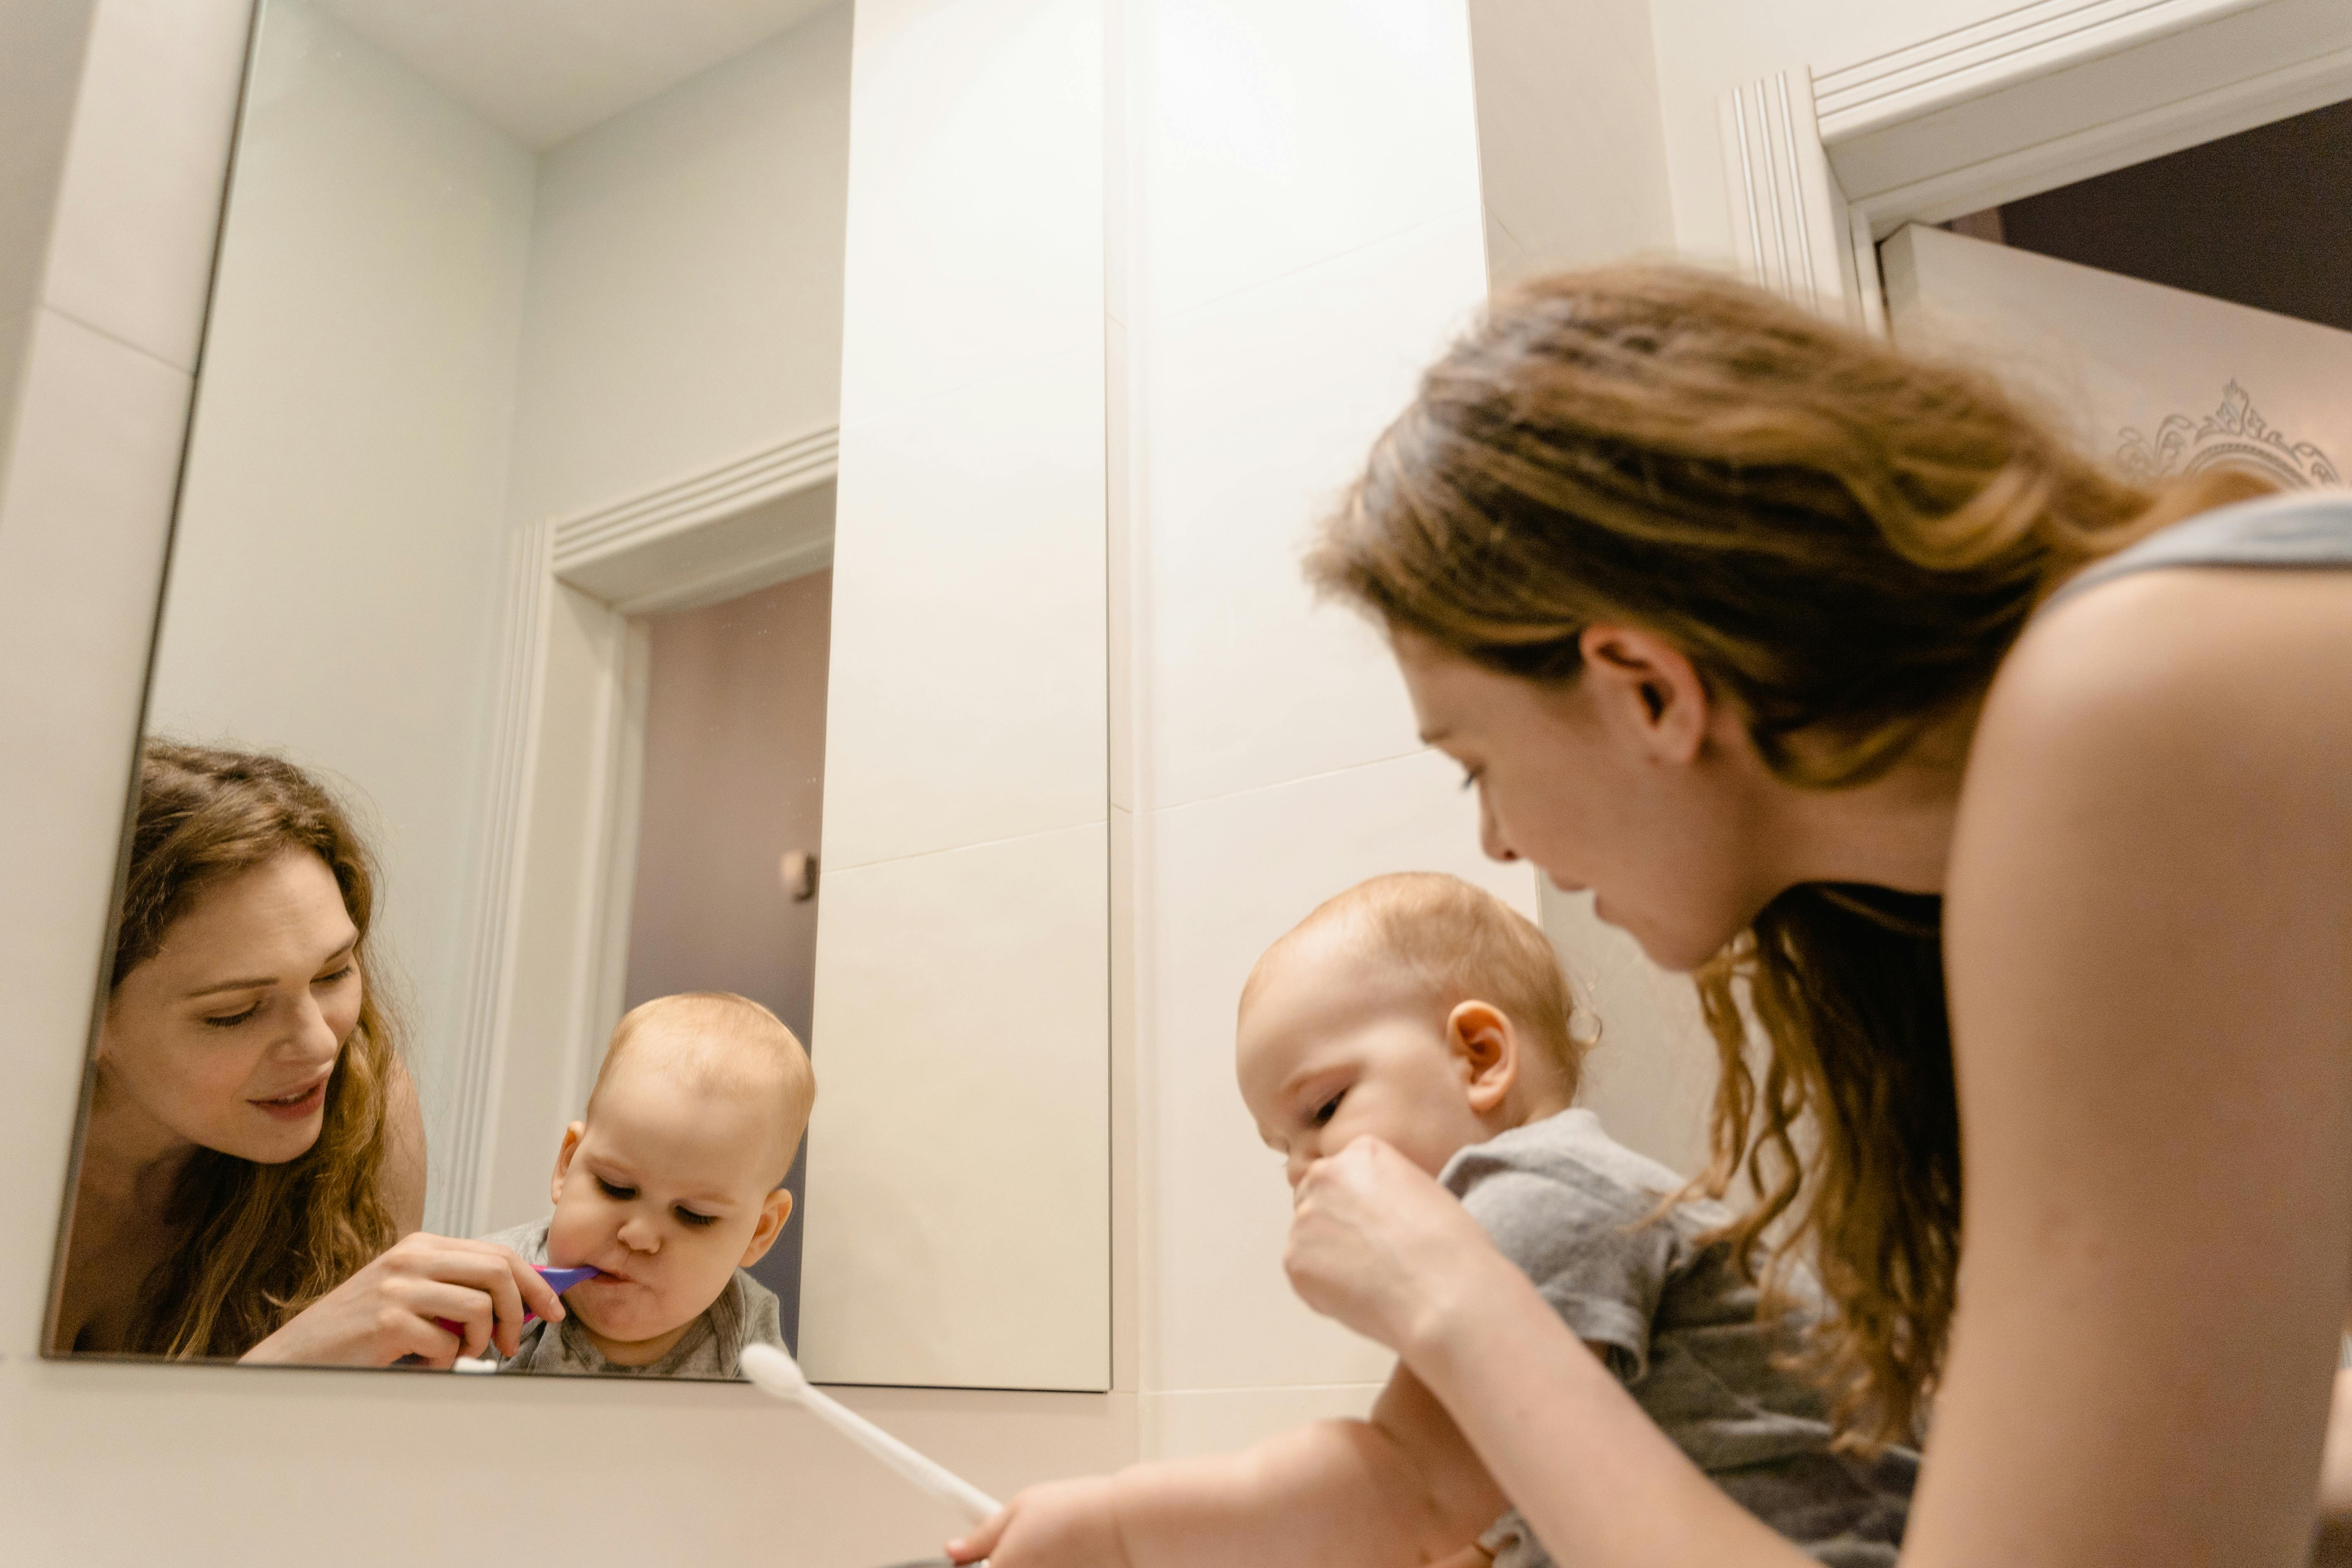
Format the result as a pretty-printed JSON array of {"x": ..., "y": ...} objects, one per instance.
[
  {"x": 958, "y": 1228},
  {"x": 1220, "y": 880},
  {"x": 959, "y": 1173},
  {"x": 967, "y": 696},
  {"x": 1263, "y": 406},
  {"x": 140, "y": 201},
  {"x": 976, "y": 199},
  {"x": 1285, "y": 135}
]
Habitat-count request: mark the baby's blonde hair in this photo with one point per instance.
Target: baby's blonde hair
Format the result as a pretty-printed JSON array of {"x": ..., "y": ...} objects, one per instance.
[
  {"x": 1461, "y": 944},
  {"x": 726, "y": 1039}
]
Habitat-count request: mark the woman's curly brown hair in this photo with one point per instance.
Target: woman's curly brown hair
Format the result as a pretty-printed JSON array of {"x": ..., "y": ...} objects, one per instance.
[
  {"x": 257, "y": 1242},
  {"x": 1846, "y": 539}
]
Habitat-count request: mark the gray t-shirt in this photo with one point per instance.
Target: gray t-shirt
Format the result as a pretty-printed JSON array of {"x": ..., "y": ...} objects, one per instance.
[
  {"x": 1675, "y": 1320},
  {"x": 712, "y": 1346}
]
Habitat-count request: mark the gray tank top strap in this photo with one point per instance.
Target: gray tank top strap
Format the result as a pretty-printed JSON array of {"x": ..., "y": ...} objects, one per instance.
[{"x": 2308, "y": 529}]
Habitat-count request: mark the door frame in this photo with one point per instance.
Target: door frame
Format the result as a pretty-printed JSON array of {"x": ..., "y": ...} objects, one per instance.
[
  {"x": 1821, "y": 163},
  {"x": 559, "y": 864}
]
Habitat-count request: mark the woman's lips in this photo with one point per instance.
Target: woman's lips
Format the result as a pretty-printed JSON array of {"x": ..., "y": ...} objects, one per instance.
[{"x": 298, "y": 1106}]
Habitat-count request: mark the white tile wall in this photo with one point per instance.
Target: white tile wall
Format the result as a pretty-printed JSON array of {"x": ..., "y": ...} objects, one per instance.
[
  {"x": 959, "y": 1226},
  {"x": 84, "y": 507},
  {"x": 968, "y": 674},
  {"x": 141, "y": 201},
  {"x": 1305, "y": 235},
  {"x": 959, "y": 1165},
  {"x": 41, "y": 50},
  {"x": 1653, "y": 1075},
  {"x": 1261, "y": 407},
  {"x": 975, "y": 234},
  {"x": 1572, "y": 155},
  {"x": 1283, "y": 135},
  {"x": 1219, "y": 880}
]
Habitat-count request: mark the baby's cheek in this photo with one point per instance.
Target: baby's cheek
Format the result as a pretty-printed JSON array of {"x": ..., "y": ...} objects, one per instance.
[{"x": 572, "y": 1235}]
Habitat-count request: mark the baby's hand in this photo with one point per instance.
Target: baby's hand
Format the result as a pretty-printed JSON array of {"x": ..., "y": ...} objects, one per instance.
[{"x": 1062, "y": 1524}]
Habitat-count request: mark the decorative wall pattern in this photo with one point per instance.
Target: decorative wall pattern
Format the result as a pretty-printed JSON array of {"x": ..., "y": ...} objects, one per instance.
[{"x": 2235, "y": 435}]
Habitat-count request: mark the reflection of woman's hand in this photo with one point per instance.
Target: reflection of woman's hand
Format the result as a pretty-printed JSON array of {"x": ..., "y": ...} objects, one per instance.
[
  {"x": 1062, "y": 1524},
  {"x": 1377, "y": 1244},
  {"x": 388, "y": 1309}
]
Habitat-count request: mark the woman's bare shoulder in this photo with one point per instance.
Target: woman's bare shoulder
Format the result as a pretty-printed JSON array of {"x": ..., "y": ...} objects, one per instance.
[
  {"x": 2260, "y": 658},
  {"x": 2146, "y": 925}
]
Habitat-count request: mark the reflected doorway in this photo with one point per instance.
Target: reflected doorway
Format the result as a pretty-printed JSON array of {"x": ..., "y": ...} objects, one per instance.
[{"x": 732, "y": 790}]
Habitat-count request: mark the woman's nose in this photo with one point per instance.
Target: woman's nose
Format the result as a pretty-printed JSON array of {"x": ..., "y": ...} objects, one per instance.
[
  {"x": 313, "y": 1036},
  {"x": 1490, "y": 832}
]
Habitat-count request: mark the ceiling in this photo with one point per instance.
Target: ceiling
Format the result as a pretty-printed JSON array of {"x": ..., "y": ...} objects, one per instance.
[{"x": 545, "y": 70}]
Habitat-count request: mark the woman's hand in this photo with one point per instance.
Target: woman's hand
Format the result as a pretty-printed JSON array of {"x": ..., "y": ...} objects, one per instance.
[
  {"x": 1062, "y": 1524},
  {"x": 1377, "y": 1244},
  {"x": 389, "y": 1309}
]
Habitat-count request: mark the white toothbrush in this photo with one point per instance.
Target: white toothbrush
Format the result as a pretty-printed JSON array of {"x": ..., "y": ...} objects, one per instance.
[{"x": 774, "y": 1372}]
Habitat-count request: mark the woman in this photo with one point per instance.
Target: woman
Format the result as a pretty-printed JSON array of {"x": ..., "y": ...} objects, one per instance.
[
  {"x": 1835, "y": 676},
  {"x": 252, "y": 1168}
]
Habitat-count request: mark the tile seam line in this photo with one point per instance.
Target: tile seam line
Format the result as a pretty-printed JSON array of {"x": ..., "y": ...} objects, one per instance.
[
  {"x": 1288, "y": 274},
  {"x": 1277, "y": 784},
  {"x": 975, "y": 844},
  {"x": 114, "y": 337}
]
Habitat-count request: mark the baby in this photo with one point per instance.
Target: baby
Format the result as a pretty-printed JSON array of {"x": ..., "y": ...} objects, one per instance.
[
  {"x": 1417, "y": 1009},
  {"x": 672, "y": 1185}
]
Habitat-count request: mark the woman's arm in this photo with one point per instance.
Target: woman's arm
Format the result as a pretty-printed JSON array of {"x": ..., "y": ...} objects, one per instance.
[
  {"x": 1401, "y": 1487},
  {"x": 2147, "y": 928},
  {"x": 1380, "y": 1246}
]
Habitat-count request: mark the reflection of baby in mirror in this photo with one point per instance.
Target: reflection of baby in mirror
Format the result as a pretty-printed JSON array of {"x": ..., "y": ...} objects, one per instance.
[{"x": 671, "y": 1187}]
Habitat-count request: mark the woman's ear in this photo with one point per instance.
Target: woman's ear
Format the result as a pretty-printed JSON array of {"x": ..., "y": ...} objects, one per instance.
[
  {"x": 564, "y": 1154},
  {"x": 1487, "y": 1049},
  {"x": 1644, "y": 682},
  {"x": 777, "y": 1209}
]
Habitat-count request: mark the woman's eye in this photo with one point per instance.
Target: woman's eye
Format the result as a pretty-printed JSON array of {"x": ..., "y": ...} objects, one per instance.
[
  {"x": 1470, "y": 777},
  {"x": 615, "y": 1190},
  {"x": 345, "y": 972},
  {"x": 690, "y": 1217},
  {"x": 231, "y": 1020},
  {"x": 1324, "y": 1113}
]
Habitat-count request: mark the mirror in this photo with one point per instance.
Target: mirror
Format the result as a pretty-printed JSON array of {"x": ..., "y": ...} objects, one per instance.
[{"x": 489, "y": 707}]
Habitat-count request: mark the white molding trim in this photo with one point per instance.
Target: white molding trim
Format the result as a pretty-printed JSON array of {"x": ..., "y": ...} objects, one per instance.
[
  {"x": 2039, "y": 96},
  {"x": 2015, "y": 46},
  {"x": 683, "y": 505},
  {"x": 1788, "y": 216},
  {"x": 460, "y": 1189},
  {"x": 2063, "y": 89}
]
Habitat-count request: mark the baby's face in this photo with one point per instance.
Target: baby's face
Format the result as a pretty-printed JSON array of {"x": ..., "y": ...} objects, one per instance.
[
  {"x": 1331, "y": 1049},
  {"x": 668, "y": 1191}
]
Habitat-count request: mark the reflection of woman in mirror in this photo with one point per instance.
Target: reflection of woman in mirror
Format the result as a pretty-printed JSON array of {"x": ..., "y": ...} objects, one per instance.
[
  {"x": 252, "y": 1169},
  {"x": 1983, "y": 792}
]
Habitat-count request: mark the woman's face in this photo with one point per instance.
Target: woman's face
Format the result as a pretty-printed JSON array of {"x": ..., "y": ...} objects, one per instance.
[
  {"x": 226, "y": 1037},
  {"x": 1628, "y": 780}
]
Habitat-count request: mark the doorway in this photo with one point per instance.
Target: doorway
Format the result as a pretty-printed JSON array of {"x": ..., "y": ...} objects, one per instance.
[
  {"x": 730, "y": 810},
  {"x": 2188, "y": 312}
]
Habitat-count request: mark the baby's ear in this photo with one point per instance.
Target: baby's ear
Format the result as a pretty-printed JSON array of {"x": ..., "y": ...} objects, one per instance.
[
  {"x": 776, "y": 1209},
  {"x": 1486, "y": 1049},
  {"x": 564, "y": 1154}
]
